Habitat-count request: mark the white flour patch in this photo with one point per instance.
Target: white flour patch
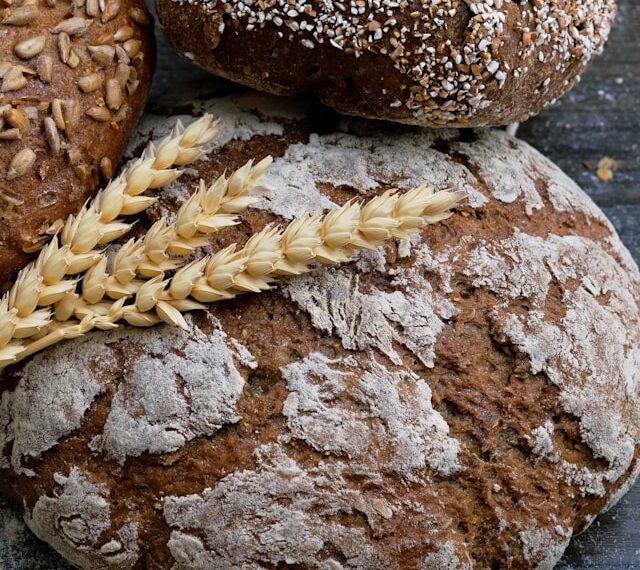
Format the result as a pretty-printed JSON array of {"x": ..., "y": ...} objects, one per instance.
[
  {"x": 446, "y": 558},
  {"x": 541, "y": 441},
  {"x": 375, "y": 319},
  {"x": 283, "y": 511},
  {"x": 178, "y": 388},
  {"x": 379, "y": 419},
  {"x": 590, "y": 353},
  {"x": 543, "y": 549},
  {"x": 51, "y": 398},
  {"x": 293, "y": 182},
  {"x": 511, "y": 168},
  {"x": 74, "y": 520}
]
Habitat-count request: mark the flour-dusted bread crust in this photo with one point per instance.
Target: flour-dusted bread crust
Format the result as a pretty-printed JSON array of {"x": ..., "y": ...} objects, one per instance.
[
  {"x": 466, "y": 63},
  {"x": 467, "y": 400},
  {"x": 74, "y": 77}
]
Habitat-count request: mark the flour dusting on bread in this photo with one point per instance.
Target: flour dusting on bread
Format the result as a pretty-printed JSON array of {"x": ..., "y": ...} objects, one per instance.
[{"x": 74, "y": 520}]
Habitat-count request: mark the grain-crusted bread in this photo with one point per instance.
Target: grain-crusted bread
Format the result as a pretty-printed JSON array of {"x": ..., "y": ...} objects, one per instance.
[
  {"x": 465, "y": 63},
  {"x": 74, "y": 78},
  {"x": 469, "y": 399}
]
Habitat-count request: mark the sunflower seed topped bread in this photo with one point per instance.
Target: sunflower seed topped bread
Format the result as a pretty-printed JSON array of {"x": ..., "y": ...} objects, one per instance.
[
  {"x": 469, "y": 399},
  {"x": 74, "y": 77},
  {"x": 461, "y": 63}
]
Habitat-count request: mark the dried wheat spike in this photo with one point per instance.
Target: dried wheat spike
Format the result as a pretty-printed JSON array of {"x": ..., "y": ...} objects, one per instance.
[
  {"x": 207, "y": 211},
  {"x": 327, "y": 239},
  {"x": 47, "y": 281}
]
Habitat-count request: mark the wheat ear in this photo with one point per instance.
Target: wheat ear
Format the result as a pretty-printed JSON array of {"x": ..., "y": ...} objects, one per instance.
[
  {"x": 24, "y": 310},
  {"x": 328, "y": 239},
  {"x": 207, "y": 211}
]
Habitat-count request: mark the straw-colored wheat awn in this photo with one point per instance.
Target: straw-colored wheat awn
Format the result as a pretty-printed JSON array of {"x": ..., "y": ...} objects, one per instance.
[
  {"x": 327, "y": 239},
  {"x": 54, "y": 274}
]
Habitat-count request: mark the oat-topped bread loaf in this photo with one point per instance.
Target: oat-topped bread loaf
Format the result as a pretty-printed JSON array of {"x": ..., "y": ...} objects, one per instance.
[
  {"x": 74, "y": 77},
  {"x": 470, "y": 399},
  {"x": 464, "y": 63}
]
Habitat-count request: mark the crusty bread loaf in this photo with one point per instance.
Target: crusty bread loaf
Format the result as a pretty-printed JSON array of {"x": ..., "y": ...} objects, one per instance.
[
  {"x": 431, "y": 63},
  {"x": 469, "y": 399},
  {"x": 74, "y": 77}
]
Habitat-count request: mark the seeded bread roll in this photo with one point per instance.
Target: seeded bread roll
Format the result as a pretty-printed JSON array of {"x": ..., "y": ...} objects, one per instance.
[
  {"x": 432, "y": 63},
  {"x": 74, "y": 77},
  {"x": 466, "y": 400}
]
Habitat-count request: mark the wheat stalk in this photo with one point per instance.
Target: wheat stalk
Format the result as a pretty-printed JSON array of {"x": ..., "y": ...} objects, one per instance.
[
  {"x": 327, "y": 239},
  {"x": 207, "y": 211},
  {"x": 24, "y": 309}
]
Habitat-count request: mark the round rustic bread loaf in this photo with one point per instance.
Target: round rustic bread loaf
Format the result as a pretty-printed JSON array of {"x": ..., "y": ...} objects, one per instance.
[
  {"x": 468, "y": 399},
  {"x": 432, "y": 63},
  {"x": 74, "y": 77}
]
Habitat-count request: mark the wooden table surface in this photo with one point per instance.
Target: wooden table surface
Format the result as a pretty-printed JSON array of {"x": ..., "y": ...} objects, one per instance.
[{"x": 600, "y": 117}]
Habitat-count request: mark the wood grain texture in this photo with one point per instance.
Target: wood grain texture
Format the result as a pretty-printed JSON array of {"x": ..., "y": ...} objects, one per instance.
[{"x": 600, "y": 117}]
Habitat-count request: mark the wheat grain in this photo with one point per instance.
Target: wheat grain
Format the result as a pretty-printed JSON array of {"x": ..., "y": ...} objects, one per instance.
[
  {"x": 45, "y": 281},
  {"x": 272, "y": 252}
]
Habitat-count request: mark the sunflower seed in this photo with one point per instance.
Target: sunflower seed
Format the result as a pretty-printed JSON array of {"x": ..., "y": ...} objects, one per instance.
[
  {"x": 10, "y": 197},
  {"x": 92, "y": 8},
  {"x": 106, "y": 168},
  {"x": 114, "y": 94},
  {"x": 102, "y": 55},
  {"x": 71, "y": 114},
  {"x": 34, "y": 244},
  {"x": 74, "y": 155},
  {"x": 132, "y": 47},
  {"x": 99, "y": 114},
  {"x": 45, "y": 68},
  {"x": 122, "y": 113},
  {"x": 123, "y": 34},
  {"x": 73, "y": 60},
  {"x": 53, "y": 137},
  {"x": 122, "y": 55},
  {"x": 105, "y": 38},
  {"x": 64, "y": 47},
  {"x": 31, "y": 47},
  {"x": 57, "y": 114},
  {"x": 21, "y": 163},
  {"x": 110, "y": 11},
  {"x": 13, "y": 80},
  {"x": 123, "y": 72},
  {"x": 132, "y": 86},
  {"x": 17, "y": 119},
  {"x": 10, "y": 135},
  {"x": 22, "y": 16},
  {"x": 75, "y": 26},
  {"x": 139, "y": 16},
  {"x": 83, "y": 172},
  {"x": 90, "y": 82}
]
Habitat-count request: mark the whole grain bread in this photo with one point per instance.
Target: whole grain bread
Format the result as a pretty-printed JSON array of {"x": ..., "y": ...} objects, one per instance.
[
  {"x": 466, "y": 400},
  {"x": 74, "y": 78},
  {"x": 465, "y": 63}
]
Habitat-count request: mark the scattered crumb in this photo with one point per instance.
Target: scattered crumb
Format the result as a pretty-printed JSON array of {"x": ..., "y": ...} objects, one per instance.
[{"x": 606, "y": 169}]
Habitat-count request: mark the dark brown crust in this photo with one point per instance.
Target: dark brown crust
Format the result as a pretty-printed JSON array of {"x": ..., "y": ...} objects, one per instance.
[
  {"x": 58, "y": 184},
  {"x": 481, "y": 385},
  {"x": 376, "y": 85}
]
